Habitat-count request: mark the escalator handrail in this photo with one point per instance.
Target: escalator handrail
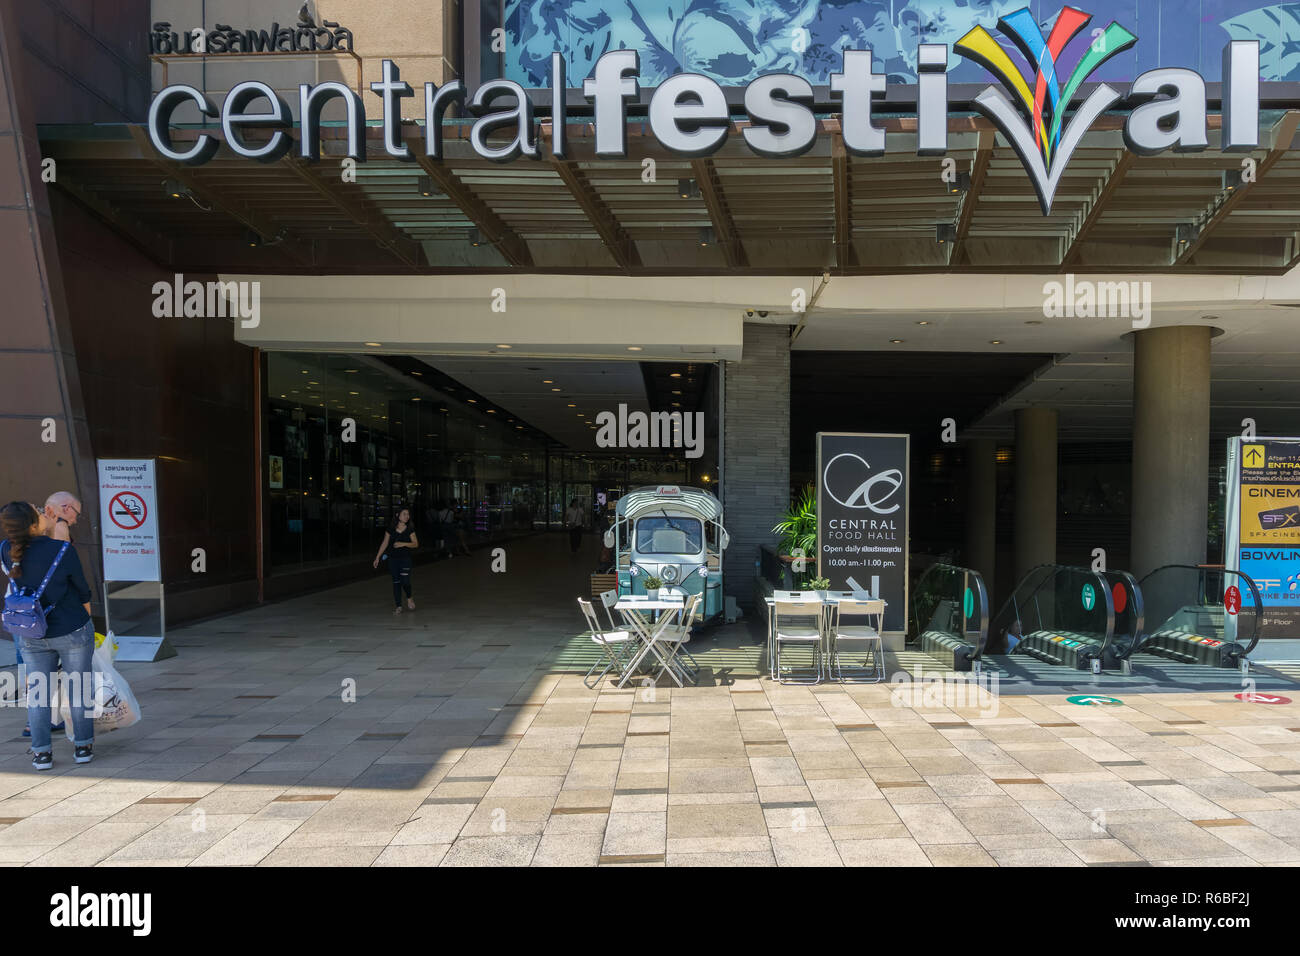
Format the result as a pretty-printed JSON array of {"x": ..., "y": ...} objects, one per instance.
[
  {"x": 1205, "y": 569},
  {"x": 1139, "y": 614},
  {"x": 1103, "y": 593},
  {"x": 981, "y": 594}
]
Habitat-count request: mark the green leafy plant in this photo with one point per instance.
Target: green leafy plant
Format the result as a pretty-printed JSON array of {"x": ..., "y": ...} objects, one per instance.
[
  {"x": 653, "y": 584},
  {"x": 798, "y": 526},
  {"x": 817, "y": 584}
]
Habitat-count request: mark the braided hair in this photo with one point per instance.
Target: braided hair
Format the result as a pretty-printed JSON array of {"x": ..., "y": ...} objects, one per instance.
[{"x": 16, "y": 520}]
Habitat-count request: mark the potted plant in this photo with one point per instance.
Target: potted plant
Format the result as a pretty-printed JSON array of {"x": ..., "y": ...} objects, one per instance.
[
  {"x": 798, "y": 528},
  {"x": 652, "y": 585},
  {"x": 820, "y": 585}
]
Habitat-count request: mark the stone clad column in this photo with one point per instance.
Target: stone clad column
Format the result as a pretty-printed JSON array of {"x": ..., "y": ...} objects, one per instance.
[
  {"x": 756, "y": 451},
  {"x": 1171, "y": 446},
  {"x": 980, "y": 552},
  {"x": 1035, "y": 490}
]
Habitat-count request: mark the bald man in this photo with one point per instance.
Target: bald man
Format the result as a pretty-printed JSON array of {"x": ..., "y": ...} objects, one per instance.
[{"x": 63, "y": 509}]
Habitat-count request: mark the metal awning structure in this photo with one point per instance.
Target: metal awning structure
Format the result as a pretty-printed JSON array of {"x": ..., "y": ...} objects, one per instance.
[
  {"x": 825, "y": 211},
  {"x": 649, "y": 499}
]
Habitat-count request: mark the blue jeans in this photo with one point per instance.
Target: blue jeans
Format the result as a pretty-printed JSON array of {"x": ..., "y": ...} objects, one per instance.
[{"x": 42, "y": 656}]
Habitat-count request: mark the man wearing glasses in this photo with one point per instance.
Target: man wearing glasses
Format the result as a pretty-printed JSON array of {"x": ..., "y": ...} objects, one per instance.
[{"x": 62, "y": 509}]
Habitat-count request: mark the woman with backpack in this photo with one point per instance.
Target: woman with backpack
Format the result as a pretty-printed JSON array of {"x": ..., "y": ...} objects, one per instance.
[{"x": 47, "y": 609}]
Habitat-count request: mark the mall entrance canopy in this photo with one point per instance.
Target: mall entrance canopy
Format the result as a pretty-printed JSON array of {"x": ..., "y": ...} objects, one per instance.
[{"x": 732, "y": 213}]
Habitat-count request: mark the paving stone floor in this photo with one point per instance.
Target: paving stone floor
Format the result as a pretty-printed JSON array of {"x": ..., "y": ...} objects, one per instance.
[{"x": 472, "y": 741}]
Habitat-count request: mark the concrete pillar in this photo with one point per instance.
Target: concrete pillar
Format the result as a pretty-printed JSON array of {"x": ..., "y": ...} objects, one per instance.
[
  {"x": 755, "y": 451},
  {"x": 980, "y": 552},
  {"x": 1035, "y": 492},
  {"x": 1171, "y": 446}
]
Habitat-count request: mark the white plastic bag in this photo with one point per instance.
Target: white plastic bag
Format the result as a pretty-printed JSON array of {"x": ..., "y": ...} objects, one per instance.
[{"x": 115, "y": 705}]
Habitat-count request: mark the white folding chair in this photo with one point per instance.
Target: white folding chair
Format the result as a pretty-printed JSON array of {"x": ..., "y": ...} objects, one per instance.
[
  {"x": 791, "y": 628},
  {"x": 614, "y": 646},
  {"x": 607, "y": 600},
  {"x": 868, "y": 635},
  {"x": 676, "y": 636}
]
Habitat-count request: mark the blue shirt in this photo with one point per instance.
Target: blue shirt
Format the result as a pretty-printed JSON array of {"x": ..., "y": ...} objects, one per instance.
[{"x": 67, "y": 590}]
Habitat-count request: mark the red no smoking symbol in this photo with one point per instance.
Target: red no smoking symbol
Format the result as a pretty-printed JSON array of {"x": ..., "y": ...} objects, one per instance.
[{"x": 127, "y": 510}]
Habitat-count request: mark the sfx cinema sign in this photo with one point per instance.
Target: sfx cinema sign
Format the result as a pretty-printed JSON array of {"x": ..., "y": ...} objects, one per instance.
[{"x": 688, "y": 113}]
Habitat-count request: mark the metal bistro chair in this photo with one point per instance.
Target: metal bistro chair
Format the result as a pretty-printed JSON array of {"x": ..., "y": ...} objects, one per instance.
[
  {"x": 607, "y": 600},
  {"x": 614, "y": 646},
  {"x": 860, "y": 605},
  {"x": 677, "y": 636},
  {"x": 787, "y": 631}
]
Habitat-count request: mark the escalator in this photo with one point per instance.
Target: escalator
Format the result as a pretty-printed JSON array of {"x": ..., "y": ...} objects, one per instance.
[
  {"x": 1203, "y": 614},
  {"x": 949, "y": 616},
  {"x": 1062, "y": 615}
]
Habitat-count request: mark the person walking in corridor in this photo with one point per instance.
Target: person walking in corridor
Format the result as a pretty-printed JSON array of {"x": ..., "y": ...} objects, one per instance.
[
  {"x": 56, "y": 628},
  {"x": 403, "y": 541},
  {"x": 573, "y": 521}
]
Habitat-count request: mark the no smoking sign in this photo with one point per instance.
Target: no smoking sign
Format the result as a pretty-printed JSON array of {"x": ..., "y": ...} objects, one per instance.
[{"x": 127, "y": 510}]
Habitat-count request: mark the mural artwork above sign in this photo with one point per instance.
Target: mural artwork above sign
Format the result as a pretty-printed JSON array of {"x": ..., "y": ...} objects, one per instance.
[{"x": 689, "y": 113}]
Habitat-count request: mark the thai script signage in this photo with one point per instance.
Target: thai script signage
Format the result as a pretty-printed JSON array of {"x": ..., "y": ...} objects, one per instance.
[{"x": 300, "y": 38}]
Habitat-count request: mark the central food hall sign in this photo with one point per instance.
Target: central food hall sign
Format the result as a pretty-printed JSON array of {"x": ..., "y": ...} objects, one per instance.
[{"x": 689, "y": 115}]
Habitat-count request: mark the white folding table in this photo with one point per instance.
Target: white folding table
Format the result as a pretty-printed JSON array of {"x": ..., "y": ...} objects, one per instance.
[{"x": 636, "y": 614}]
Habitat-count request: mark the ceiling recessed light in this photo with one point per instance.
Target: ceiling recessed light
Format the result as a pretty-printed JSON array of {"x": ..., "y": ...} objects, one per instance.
[
  {"x": 675, "y": 375},
  {"x": 995, "y": 341},
  {"x": 924, "y": 322},
  {"x": 547, "y": 381},
  {"x": 555, "y": 390},
  {"x": 896, "y": 341},
  {"x": 634, "y": 348},
  {"x": 373, "y": 345},
  {"x": 572, "y": 405},
  {"x": 472, "y": 401},
  {"x": 491, "y": 411},
  {"x": 503, "y": 346}
]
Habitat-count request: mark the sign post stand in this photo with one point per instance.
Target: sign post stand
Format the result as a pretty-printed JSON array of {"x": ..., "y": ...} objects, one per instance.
[
  {"x": 1262, "y": 533},
  {"x": 863, "y": 496},
  {"x": 128, "y": 520}
]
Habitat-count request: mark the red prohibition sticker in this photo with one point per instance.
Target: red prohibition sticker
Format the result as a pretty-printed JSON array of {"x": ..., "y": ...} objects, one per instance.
[
  {"x": 1263, "y": 698},
  {"x": 1232, "y": 600},
  {"x": 1119, "y": 594}
]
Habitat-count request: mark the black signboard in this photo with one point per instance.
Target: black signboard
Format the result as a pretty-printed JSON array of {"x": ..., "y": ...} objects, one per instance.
[{"x": 862, "y": 507}]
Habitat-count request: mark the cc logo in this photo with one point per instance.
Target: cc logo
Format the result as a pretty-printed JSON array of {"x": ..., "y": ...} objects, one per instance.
[{"x": 864, "y": 490}]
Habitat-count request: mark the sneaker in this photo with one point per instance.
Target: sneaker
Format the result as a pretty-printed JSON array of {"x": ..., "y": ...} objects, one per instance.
[
  {"x": 43, "y": 761},
  {"x": 397, "y": 610},
  {"x": 410, "y": 604},
  {"x": 84, "y": 754}
]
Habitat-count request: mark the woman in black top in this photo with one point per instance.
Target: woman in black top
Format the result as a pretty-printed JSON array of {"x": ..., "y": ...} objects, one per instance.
[
  {"x": 69, "y": 641},
  {"x": 403, "y": 540}
]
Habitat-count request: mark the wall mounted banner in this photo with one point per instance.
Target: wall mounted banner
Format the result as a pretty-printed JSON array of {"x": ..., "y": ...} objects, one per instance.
[
  {"x": 1263, "y": 526},
  {"x": 128, "y": 519},
  {"x": 862, "y": 508}
]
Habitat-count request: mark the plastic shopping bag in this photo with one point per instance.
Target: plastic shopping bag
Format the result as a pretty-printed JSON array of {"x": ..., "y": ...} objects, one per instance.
[{"x": 115, "y": 705}]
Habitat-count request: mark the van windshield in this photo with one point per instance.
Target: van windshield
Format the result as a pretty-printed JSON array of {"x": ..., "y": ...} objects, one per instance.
[{"x": 665, "y": 535}]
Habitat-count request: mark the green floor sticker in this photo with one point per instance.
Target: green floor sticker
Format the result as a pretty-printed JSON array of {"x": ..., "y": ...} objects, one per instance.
[{"x": 1093, "y": 700}]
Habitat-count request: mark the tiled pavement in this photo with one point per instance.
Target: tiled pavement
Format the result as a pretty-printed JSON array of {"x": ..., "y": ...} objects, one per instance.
[{"x": 470, "y": 743}]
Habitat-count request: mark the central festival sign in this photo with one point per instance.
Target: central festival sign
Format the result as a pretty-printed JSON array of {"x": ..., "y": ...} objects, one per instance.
[
  {"x": 862, "y": 517},
  {"x": 690, "y": 116}
]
